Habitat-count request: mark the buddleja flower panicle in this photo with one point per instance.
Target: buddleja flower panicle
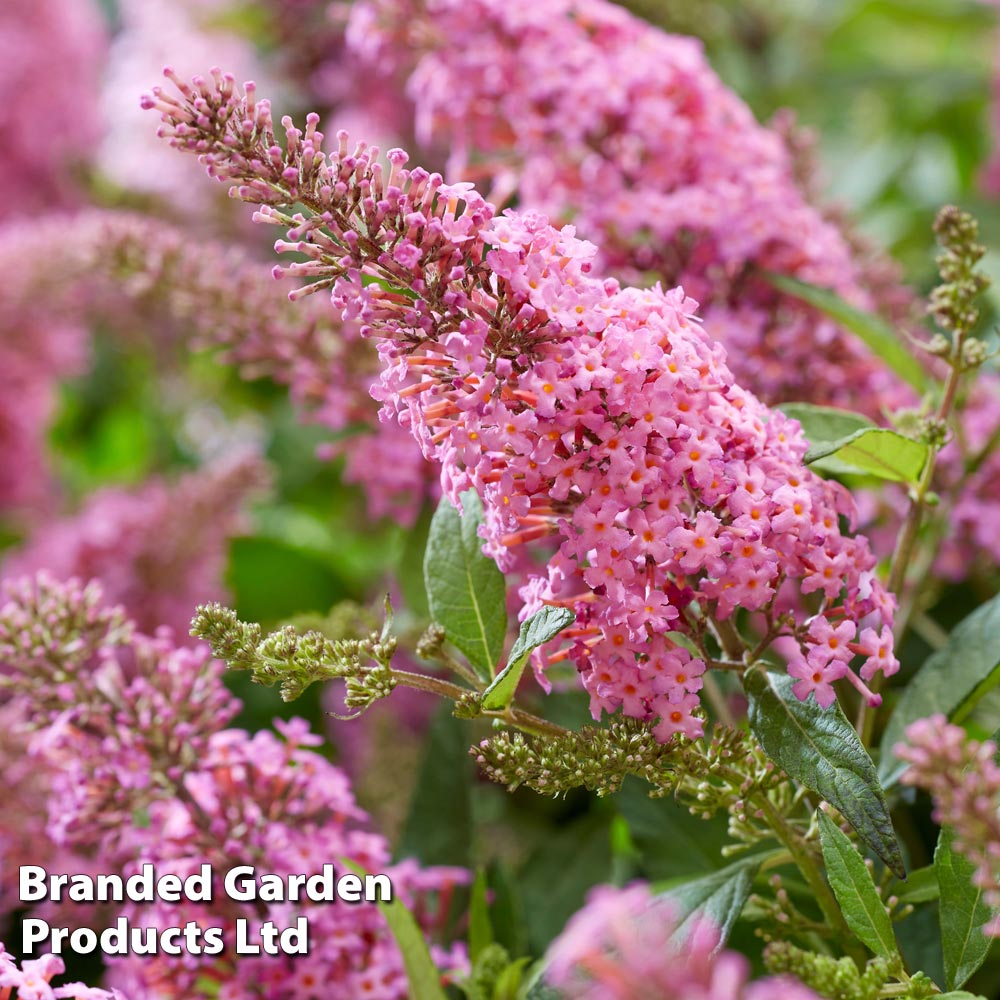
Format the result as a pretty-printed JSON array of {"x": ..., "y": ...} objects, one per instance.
[
  {"x": 709, "y": 774},
  {"x": 599, "y": 419}
]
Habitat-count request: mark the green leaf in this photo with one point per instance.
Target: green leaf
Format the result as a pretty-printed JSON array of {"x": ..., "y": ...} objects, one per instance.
[
  {"x": 820, "y": 748},
  {"x": 921, "y": 886},
  {"x": 824, "y": 424},
  {"x": 465, "y": 590},
  {"x": 480, "y": 927},
  {"x": 555, "y": 881},
  {"x": 718, "y": 897},
  {"x": 872, "y": 451},
  {"x": 542, "y": 626},
  {"x": 962, "y": 913},
  {"x": 421, "y": 972},
  {"x": 439, "y": 826},
  {"x": 508, "y": 984},
  {"x": 855, "y": 890},
  {"x": 880, "y": 337},
  {"x": 671, "y": 842},
  {"x": 952, "y": 681}
]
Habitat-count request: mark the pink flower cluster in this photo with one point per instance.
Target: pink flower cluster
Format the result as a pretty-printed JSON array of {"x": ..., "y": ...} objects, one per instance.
[
  {"x": 963, "y": 778},
  {"x": 32, "y": 981},
  {"x": 23, "y": 840},
  {"x": 601, "y": 419},
  {"x": 594, "y": 116},
  {"x": 129, "y": 273},
  {"x": 129, "y": 731},
  {"x": 51, "y": 54},
  {"x": 622, "y": 946},
  {"x": 159, "y": 550}
]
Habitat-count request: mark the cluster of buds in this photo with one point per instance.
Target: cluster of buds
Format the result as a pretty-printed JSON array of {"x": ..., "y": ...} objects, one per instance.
[
  {"x": 840, "y": 979},
  {"x": 953, "y": 302},
  {"x": 296, "y": 660}
]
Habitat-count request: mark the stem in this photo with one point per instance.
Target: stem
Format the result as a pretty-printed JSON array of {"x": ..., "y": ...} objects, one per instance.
[
  {"x": 525, "y": 721},
  {"x": 911, "y": 525},
  {"x": 718, "y": 699},
  {"x": 433, "y": 685},
  {"x": 530, "y": 723},
  {"x": 456, "y": 666},
  {"x": 729, "y": 639},
  {"x": 805, "y": 861}
]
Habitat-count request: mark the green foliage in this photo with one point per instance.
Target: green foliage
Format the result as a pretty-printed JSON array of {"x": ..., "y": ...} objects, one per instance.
[
  {"x": 823, "y": 425},
  {"x": 438, "y": 827},
  {"x": 480, "y": 927},
  {"x": 672, "y": 841},
  {"x": 465, "y": 590},
  {"x": 847, "y": 443},
  {"x": 855, "y": 890},
  {"x": 540, "y": 628},
  {"x": 821, "y": 749},
  {"x": 921, "y": 886},
  {"x": 872, "y": 452},
  {"x": 951, "y": 681},
  {"x": 718, "y": 897},
  {"x": 963, "y": 913}
]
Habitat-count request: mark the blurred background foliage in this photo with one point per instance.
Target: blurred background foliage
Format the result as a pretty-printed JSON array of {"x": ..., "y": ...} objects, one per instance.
[{"x": 898, "y": 92}]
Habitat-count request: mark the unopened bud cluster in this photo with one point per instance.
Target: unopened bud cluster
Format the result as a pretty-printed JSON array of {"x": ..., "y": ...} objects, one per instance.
[
  {"x": 724, "y": 772},
  {"x": 836, "y": 979},
  {"x": 952, "y": 303},
  {"x": 295, "y": 660}
]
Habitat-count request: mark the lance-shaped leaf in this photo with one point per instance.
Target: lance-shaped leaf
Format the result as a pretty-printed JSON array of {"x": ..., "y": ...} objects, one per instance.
[
  {"x": 718, "y": 897},
  {"x": 881, "y": 339},
  {"x": 820, "y": 748},
  {"x": 465, "y": 590},
  {"x": 825, "y": 424},
  {"x": 951, "y": 681},
  {"x": 542, "y": 626},
  {"x": 963, "y": 913},
  {"x": 872, "y": 451},
  {"x": 855, "y": 890},
  {"x": 480, "y": 925},
  {"x": 422, "y": 974}
]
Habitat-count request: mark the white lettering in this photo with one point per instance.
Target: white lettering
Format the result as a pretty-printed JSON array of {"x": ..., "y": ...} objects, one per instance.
[{"x": 32, "y": 883}]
